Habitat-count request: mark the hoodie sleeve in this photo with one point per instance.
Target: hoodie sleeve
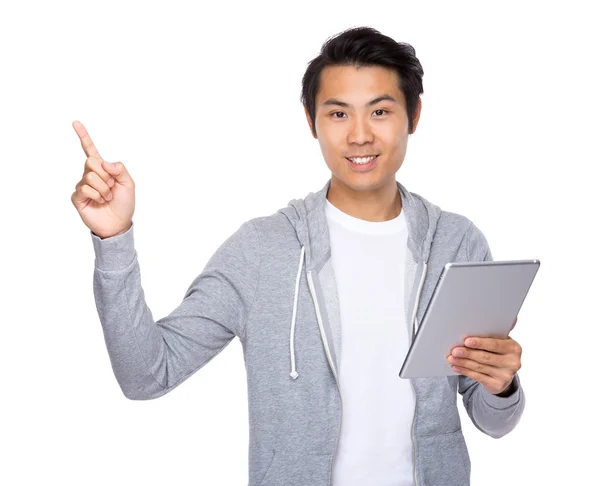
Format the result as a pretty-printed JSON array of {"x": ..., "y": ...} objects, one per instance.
[
  {"x": 149, "y": 358},
  {"x": 494, "y": 415}
]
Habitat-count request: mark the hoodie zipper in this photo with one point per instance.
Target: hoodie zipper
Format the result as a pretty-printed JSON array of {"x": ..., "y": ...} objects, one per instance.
[
  {"x": 412, "y": 428},
  {"x": 412, "y": 431},
  {"x": 330, "y": 360},
  {"x": 412, "y": 436},
  {"x": 338, "y": 437}
]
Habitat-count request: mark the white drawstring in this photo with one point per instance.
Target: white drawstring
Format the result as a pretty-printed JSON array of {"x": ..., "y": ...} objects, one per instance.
[
  {"x": 294, "y": 373},
  {"x": 414, "y": 316}
]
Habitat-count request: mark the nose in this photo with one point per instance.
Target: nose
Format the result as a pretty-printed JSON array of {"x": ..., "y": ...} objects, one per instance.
[{"x": 360, "y": 131}]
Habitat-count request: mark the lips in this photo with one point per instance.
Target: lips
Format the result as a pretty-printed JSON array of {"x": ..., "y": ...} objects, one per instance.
[{"x": 362, "y": 167}]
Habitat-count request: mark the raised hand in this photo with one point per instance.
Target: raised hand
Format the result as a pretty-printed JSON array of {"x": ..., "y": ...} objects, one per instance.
[{"x": 105, "y": 195}]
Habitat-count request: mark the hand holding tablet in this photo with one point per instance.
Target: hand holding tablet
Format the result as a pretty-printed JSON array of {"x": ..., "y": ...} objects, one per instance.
[
  {"x": 478, "y": 300},
  {"x": 490, "y": 361}
]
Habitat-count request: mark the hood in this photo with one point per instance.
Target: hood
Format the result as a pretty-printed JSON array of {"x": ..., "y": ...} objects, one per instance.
[{"x": 309, "y": 220}]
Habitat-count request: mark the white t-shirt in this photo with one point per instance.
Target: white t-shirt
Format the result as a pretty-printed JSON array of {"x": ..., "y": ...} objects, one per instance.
[{"x": 375, "y": 445}]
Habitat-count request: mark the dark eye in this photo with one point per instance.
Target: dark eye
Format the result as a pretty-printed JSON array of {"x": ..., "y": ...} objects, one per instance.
[
  {"x": 334, "y": 113},
  {"x": 381, "y": 109}
]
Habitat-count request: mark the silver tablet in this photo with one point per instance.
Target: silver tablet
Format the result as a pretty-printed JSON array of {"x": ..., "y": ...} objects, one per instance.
[{"x": 470, "y": 299}]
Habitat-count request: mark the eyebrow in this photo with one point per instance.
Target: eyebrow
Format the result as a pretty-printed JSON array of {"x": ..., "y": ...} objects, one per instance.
[{"x": 384, "y": 97}]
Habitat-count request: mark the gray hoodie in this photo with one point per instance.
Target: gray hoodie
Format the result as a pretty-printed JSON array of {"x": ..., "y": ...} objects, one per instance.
[{"x": 271, "y": 284}]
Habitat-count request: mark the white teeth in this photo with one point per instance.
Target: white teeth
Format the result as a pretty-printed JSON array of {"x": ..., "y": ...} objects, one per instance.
[{"x": 362, "y": 160}]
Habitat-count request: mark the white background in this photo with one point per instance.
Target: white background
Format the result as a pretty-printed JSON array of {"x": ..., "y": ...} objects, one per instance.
[{"x": 201, "y": 103}]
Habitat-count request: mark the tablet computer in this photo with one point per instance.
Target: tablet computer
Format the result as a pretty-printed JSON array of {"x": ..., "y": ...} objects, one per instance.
[{"x": 469, "y": 299}]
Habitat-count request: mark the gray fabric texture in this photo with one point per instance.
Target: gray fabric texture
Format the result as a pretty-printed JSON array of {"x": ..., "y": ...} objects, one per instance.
[{"x": 247, "y": 290}]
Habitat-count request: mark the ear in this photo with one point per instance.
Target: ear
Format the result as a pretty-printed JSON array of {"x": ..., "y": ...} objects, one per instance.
[
  {"x": 312, "y": 131},
  {"x": 417, "y": 115}
]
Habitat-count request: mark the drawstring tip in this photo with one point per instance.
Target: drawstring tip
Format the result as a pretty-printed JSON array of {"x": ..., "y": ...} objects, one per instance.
[{"x": 294, "y": 374}]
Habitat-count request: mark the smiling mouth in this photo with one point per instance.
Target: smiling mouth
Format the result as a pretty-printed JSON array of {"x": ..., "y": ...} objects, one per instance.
[{"x": 362, "y": 160}]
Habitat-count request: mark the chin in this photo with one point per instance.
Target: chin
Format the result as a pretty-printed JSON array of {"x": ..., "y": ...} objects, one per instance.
[{"x": 361, "y": 182}]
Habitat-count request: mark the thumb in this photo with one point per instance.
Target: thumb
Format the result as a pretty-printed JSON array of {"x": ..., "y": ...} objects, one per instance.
[{"x": 118, "y": 171}]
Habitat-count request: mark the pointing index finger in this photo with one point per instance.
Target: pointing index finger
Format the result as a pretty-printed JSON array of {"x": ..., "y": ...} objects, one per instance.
[{"x": 86, "y": 142}]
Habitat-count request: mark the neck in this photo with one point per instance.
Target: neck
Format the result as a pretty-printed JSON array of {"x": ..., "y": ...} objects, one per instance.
[{"x": 378, "y": 205}]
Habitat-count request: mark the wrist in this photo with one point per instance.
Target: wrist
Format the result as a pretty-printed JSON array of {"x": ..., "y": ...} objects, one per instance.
[
  {"x": 509, "y": 390},
  {"x": 116, "y": 234}
]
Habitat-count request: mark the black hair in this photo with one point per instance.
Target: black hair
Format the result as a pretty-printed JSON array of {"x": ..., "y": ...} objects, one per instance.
[{"x": 365, "y": 46}]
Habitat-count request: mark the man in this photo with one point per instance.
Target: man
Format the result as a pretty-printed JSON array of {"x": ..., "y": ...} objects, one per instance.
[{"x": 324, "y": 296}]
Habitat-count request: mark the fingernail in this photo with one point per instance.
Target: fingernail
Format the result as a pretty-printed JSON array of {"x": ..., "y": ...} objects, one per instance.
[
  {"x": 108, "y": 196},
  {"x": 458, "y": 352},
  {"x": 111, "y": 182}
]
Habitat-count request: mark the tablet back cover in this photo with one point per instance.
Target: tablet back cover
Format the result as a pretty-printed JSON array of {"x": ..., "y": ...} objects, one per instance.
[{"x": 470, "y": 299}]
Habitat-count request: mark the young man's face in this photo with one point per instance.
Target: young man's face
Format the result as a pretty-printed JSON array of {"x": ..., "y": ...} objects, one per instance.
[{"x": 361, "y": 128}]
